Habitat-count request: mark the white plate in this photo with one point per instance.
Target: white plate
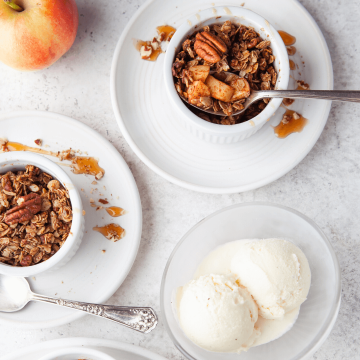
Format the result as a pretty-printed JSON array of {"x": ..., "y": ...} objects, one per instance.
[
  {"x": 154, "y": 130},
  {"x": 116, "y": 349},
  {"x": 91, "y": 275}
]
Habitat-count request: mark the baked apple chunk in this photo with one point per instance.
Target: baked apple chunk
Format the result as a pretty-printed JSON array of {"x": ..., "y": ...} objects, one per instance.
[{"x": 219, "y": 90}]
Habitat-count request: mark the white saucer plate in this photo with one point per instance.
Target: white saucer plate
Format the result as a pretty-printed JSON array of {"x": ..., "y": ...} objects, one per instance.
[
  {"x": 116, "y": 349},
  {"x": 92, "y": 275},
  {"x": 154, "y": 129}
]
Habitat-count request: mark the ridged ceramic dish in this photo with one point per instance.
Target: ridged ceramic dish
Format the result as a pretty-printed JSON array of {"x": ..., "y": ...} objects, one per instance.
[
  {"x": 86, "y": 276},
  {"x": 154, "y": 129},
  {"x": 116, "y": 349},
  {"x": 226, "y": 134},
  {"x": 15, "y": 161},
  {"x": 74, "y": 353}
]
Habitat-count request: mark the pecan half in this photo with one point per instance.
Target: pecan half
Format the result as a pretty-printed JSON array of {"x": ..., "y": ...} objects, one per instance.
[
  {"x": 206, "y": 52},
  {"x": 209, "y": 47},
  {"x": 212, "y": 40},
  {"x": 30, "y": 205}
]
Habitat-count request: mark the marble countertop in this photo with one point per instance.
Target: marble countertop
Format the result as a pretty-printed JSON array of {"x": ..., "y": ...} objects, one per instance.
[{"x": 325, "y": 186}]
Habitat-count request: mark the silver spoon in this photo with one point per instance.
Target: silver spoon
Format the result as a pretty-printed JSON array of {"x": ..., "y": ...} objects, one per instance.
[
  {"x": 15, "y": 293},
  {"x": 336, "y": 95}
]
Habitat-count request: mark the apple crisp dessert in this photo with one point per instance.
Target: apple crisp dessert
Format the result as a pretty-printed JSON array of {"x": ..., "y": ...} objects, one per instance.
[
  {"x": 35, "y": 216},
  {"x": 199, "y": 71}
]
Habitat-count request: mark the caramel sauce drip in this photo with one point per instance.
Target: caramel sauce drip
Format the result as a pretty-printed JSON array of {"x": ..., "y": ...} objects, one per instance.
[
  {"x": 292, "y": 65},
  {"x": 168, "y": 30},
  {"x": 112, "y": 232},
  {"x": 302, "y": 86},
  {"x": 288, "y": 102},
  {"x": 291, "y": 50},
  {"x": 80, "y": 164},
  {"x": 155, "y": 53},
  {"x": 115, "y": 211},
  {"x": 14, "y": 146},
  {"x": 139, "y": 43},
  {"x": 87, "y": 165},
  {"x": 287, "y": 38},
  {"x": 283, "y": 130},
  {"x": 165, "y": 33}
]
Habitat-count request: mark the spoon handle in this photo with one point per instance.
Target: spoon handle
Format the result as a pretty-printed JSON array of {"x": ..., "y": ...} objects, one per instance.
[
  {"x": 142, "y": 319},
  {"x": 337, "y": 95}
]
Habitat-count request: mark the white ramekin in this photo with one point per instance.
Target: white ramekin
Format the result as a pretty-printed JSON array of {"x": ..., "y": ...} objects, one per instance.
[
  {"x": 75, "y": 353},
  {"x": 14, "y": 161},
  {"x": 215, "y": 133}
]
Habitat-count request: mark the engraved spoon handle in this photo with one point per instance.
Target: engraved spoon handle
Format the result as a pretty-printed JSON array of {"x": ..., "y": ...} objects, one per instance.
[
  {"x": 142, "y": 319},
  {"x": 337, "y": 95}
]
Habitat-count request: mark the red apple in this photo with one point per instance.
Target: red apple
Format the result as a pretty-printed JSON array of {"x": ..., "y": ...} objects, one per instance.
[{"x": 36, "y": 33}]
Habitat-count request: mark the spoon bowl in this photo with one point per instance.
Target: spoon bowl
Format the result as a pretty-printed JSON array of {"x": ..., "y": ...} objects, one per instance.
[{"x": 15, "y": 293}]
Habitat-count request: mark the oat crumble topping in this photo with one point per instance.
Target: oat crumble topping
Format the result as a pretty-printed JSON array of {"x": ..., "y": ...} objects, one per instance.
[
  {"x": 224, "y": 47},
  {"x": 35, "y": 216}
]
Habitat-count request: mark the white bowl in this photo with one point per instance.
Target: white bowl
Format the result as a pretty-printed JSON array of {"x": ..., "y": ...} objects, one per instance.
[
  {"x": 75, "y": 353},
  {"x": 216, "y": 133},
  {"x": 14, "y": 161},
  {"x": 255, "y": 221}
]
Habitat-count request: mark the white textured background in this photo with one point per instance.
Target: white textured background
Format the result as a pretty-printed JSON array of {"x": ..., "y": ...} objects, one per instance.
[{"x": 325, "y": 186}]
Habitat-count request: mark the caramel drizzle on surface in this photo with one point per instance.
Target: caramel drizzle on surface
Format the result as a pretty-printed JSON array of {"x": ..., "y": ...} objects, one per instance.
[
  {"x": 115, "y": 211},
  {"x": 154, "y": 54},
  {"x": 283, "y": 130},
  {"x": 79, "y": 164},
  {"x": 86, "y": 165},
  {"x": 14, "y": 146},
  {"x": 168, "y": 32},
  {"x": 292, "y": 65},
  {"x": 111, "y": 231},
  {"x": 287, "y": 38}
]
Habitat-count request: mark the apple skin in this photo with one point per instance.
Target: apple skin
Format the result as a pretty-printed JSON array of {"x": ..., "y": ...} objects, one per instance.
[{"x": 35, "y": 38}]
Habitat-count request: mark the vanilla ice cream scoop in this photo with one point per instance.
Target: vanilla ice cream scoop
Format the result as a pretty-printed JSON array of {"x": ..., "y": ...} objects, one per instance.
[
  {"x": 218, "y": 315},
  {"x": 275, "y": 272}
]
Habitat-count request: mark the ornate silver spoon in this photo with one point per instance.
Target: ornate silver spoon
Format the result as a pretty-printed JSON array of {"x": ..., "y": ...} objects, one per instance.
[
  {"x": 255, "y": 95},
  {"x": 15, "y": 293}
]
